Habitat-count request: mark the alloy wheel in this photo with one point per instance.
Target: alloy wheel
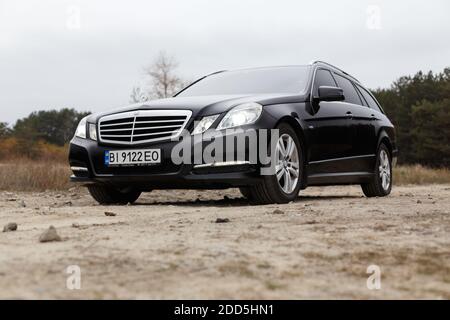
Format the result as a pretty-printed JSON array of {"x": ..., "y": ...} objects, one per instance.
[
  {"x": 288, "y": 165},
  {"x": 384, "y": 170}
]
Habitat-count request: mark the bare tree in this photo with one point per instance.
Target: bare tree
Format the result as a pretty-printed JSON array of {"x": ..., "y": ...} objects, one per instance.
[
  {"x": 163, "y": 80},
  {"x": 138, "y": 95}
]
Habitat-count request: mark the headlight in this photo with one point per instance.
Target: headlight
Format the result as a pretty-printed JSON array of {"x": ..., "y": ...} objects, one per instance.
[
  {"x": 93, "y": 131},
  {"x": 84, "y": 128},
  {"x": 81, "y": 129},
  {"x": 204, "y": 124},
  {"x": 240, "y": 115}
]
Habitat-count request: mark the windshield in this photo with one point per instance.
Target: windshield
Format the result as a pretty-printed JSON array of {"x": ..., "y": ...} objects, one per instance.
[{"x": 252, "y": 81}]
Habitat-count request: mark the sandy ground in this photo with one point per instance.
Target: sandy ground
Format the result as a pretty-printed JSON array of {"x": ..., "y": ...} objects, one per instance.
[{"x": 169, "y": 245}]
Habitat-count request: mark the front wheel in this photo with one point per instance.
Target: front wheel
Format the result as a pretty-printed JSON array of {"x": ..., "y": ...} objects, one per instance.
[
  {"x": 284, "y": 185},
  {"x": 109, "y": 195},
  {"x": 381, "y": 184}
]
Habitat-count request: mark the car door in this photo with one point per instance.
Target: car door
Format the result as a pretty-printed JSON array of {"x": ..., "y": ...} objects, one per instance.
[
  {"x": 328, "y": 128},
  {"x": 362, "y": 130},
  {"x": 373, "y": 114}
]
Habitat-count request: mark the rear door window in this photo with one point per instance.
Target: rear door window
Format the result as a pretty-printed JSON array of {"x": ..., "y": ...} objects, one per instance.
[
  {"x": 323, "y": 78},
  {"x": 350, "y": 94},
  {"x": 370, "y": 100}
]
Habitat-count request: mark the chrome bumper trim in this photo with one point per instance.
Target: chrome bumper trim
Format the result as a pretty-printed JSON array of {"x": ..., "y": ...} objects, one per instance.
[
  {"x": 83, "y": 169},
  {"x": 221, "y": 164}
]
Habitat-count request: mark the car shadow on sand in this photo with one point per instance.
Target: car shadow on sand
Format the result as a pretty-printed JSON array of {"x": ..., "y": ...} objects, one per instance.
[{"x": 237, "y": 202}]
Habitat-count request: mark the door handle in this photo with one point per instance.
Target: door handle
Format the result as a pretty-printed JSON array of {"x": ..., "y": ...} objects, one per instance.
[
  {"x": 372, "y": 117},
  {"x": 349, "y": 114}
]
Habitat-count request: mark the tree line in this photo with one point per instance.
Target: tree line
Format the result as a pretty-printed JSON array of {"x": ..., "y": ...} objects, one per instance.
[
  {"x": 419, "y": 107},
  {"x": 41, "y": 134},
  {"x": 54, "y": 126}
]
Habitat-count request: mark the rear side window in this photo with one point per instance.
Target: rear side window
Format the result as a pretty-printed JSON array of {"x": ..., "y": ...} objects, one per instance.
[
  {"x": 323, "y": 78},
  {"x": 351, "y": 96},
  {"x": 370, "y": 101}
]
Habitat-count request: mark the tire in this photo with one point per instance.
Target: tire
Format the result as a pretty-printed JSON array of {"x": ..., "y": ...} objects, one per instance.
[
  {"x": 245, "y": 191},
  {"x": 274, "y": 190},
  {"x": 381, "y": 184},
  {"x": 109, "y": 195}
]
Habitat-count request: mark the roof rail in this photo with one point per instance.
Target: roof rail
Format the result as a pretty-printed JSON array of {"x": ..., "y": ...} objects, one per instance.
[{"x": 329, "y": 64}]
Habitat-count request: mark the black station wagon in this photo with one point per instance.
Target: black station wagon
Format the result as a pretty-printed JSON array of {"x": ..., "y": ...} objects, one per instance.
[{"x": 330, "y": 130}]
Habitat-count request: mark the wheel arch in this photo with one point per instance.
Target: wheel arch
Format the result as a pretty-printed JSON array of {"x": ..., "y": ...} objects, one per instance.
[
  {"x": 296, "y": 126},
  {"x": 383, "y": 137}
]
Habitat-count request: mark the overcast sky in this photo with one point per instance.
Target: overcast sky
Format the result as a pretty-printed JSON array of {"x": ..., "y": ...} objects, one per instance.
[{"x": 88, "y": 54}]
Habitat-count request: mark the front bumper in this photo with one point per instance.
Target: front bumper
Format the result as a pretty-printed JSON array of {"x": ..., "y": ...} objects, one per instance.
[{"x": 86, "y": 157}]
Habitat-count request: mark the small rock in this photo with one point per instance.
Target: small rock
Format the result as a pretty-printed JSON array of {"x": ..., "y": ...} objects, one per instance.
[
  {"x": 278, "y": 211},
  {"x": 75, "y": 225},
  {"x": 110, "y": 214},
  {"x": 12, "y": 226},
  {"x": 22, "y": 204},
  {"x": 380, "y": 227},
  {"x": 68, "y": 203},
  {"x": 50, "y": 235},
  {"x": 11, "y": 199},
  {"x": 310, "y": 222},
  {"x": 222, "y": 220},
  {"x": 418, "y": 201}
]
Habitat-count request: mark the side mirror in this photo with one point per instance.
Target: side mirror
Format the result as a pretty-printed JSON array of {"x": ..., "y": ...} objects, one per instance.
[{"x": 327, "y": 93}]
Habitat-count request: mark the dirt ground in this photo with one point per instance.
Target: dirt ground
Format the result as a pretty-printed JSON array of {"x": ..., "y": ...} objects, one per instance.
[{"x": 169, "y": 245}]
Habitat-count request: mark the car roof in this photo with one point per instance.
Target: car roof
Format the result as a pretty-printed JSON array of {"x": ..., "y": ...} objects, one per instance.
[
  {"x": 329, "y": 65},
  {"x": 315, "y": 62}
]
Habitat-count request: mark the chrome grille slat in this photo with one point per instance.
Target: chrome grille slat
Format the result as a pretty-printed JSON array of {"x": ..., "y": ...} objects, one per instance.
[
  {"x": 116, "y": 124},
  {"x": 143, "y": 128},
  {"x": 152, "y": 134},
  {"x": 158, "y": 127},
  {"x": 147, "y": 126},
  {"x": 138, "y": 135},
  {"x": 159, "y": 121},
  {"x": 114, "y": 130}
]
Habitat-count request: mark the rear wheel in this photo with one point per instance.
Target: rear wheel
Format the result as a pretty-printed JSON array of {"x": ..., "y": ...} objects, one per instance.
[
  {"x": 109, "y": 195},
  {"x": 381, "y": 183},
  {"x": 284, "y": 185}
]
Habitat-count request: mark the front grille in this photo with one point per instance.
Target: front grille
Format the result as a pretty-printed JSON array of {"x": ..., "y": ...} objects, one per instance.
[{"x": 142, "y": 126}]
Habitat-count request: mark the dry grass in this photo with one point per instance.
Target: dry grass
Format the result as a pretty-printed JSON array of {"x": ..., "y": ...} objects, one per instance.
[
  {"x": 26, "y": 175},
  {"x": 418, "y": 174},
  {"x": 41, "y": 175}
]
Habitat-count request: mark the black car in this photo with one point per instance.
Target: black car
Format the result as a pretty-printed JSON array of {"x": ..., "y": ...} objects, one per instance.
[{"x": 329, "y": 130}]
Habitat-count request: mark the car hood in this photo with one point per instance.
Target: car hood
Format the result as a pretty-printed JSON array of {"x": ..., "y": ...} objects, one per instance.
[{"x": 204, "y": 105}]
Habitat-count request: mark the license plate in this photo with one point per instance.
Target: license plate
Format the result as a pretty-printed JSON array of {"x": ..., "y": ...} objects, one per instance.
[{"x": 132, "y": 157}]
